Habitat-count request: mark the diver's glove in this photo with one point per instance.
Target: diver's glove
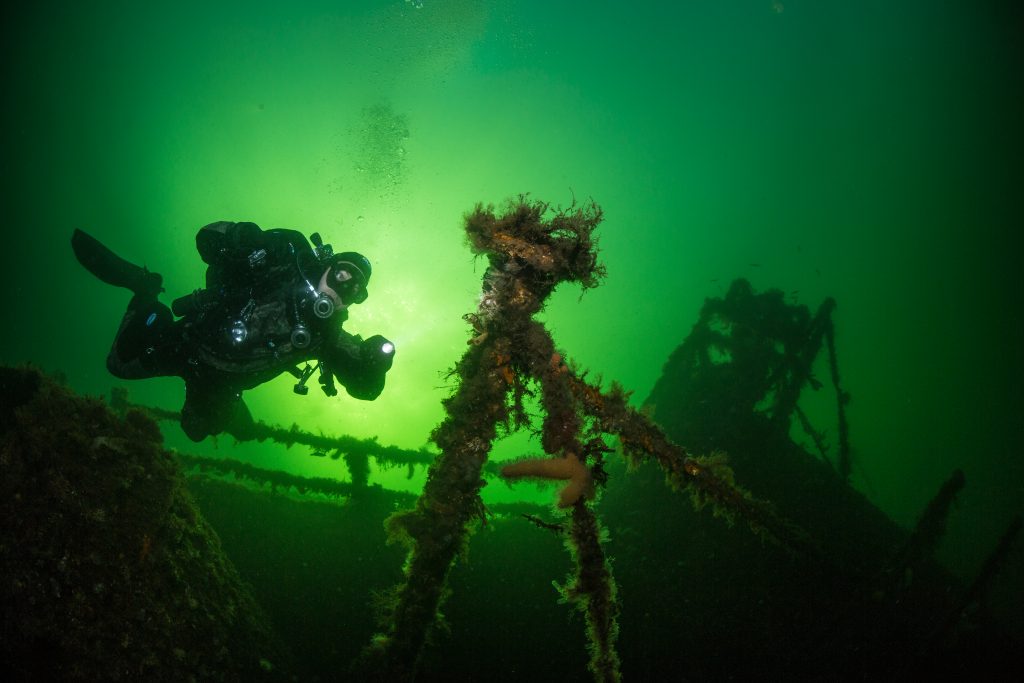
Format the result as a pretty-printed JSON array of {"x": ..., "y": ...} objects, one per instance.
[
  {"x": 361, "y": 365},
  {"x": 377, "y": 354}
]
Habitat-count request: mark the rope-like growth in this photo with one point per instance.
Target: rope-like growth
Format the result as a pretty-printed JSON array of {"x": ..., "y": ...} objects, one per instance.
[
  {"x": 321, "y": 445},
  {"x": 529, "y": 254},
  {"x": 276, "y": 482},
  {"x": 708, "y": 478},
  {"x": 592, "y": 589}
]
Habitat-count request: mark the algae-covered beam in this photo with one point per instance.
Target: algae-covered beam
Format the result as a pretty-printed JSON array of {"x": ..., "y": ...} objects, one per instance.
[
  {"x": 931, "y": 526},
  {"x": 336, "y": 446},
  {"x": 528, "y": 254},
  {"x": 842, "y": 398},
  {"x": 436, "y": 530},
  {"x": 975, "y": 593},
  {"x": 708, "y": 478},
  {"x": 593, "y": 591}
]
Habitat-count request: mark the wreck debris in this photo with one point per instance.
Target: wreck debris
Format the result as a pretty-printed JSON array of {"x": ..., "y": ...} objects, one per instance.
[
  {"x": 764, "y": 349},
  {"x": 843, "y": 464},
  {"x": 530, "y": 250},
  {"x": 708, "y": 478},
  {"x": 976, "y": 591},
  {"x": 323, "y": 488},
  {"x": 931, "y": 526},
  {"x": 354, "y": 451},
  {"x": 108, "y": 571},
  {"x": 528, "y": 257},
  {"x": 592, "y": 590}
]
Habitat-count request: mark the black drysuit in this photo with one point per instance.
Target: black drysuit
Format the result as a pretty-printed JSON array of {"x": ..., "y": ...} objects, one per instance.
[{"x": 252, "y": 322}]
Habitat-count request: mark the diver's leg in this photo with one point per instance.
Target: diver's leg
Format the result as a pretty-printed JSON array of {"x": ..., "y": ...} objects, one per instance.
[
  {"x": 144, "y": 344},
  {"x": 112, "y": 269},
  {"x": 198, "y": 413},
  {"x": 213, "y": 408},
  {"x": 241, "y": 425}
]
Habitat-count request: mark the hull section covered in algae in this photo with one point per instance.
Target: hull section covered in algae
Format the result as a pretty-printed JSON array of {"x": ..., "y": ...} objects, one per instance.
[{"x": 107, "y": 569}]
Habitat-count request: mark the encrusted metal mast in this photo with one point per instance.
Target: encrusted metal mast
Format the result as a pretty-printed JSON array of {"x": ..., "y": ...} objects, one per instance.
[{"x": 530, "y": 250}]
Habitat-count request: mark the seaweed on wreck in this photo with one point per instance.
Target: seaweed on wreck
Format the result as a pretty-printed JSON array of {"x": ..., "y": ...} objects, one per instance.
[
  {"x": 531, "y": 249},
  {"x": 109, "y": 572},
  {"x": 354, "y": 451},
  {"x": 733, "y": 385}
]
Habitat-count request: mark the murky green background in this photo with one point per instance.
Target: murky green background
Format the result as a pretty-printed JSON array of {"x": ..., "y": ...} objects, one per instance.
[{"x": 868, "y": 151}]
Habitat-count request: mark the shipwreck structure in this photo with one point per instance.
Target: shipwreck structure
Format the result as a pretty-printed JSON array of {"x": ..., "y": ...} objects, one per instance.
[
  {"x": 114, "y": 551},
  {"x": 109, "y": 571},
  {"x": 530, "y": 250}
]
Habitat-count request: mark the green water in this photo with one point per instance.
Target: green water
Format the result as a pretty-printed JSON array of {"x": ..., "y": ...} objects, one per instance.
[{"x": 867, "y": 151}]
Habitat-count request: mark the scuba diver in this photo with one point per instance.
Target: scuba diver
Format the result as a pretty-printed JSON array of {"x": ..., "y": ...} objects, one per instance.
[{"x": 272, "y": 301}]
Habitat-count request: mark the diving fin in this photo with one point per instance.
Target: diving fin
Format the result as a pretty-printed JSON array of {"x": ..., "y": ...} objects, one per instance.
[{"x": 112, "y": 269}]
